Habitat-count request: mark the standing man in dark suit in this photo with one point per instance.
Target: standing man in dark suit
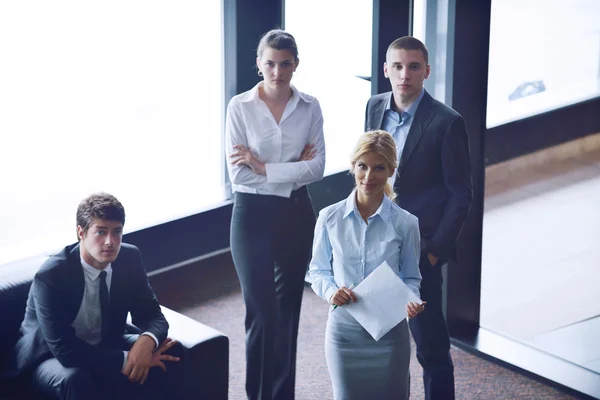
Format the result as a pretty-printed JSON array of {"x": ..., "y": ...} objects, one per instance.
[
  {"x": 433, "y": 183},
  {"x": 72, "y": 338}
]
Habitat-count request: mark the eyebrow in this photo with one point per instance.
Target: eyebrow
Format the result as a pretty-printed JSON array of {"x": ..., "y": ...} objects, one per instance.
[{"x": 410, "y": 63}]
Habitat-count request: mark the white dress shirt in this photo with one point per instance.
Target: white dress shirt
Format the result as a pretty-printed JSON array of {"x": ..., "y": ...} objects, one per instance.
[
  {"x": 346, "y": 249},
  {"x": 250, "y": 123},
  {"x": 88, "y": 322}
]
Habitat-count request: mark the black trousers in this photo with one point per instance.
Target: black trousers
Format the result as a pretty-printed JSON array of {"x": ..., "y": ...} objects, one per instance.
[
  {"x": 271, "y": 241},
  {"x": 431, "y": 336},
  {"x": 52, "y": 379}
]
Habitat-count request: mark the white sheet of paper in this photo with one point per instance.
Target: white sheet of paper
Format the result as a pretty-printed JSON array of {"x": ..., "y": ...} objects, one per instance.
[{"x": 381, "y": 301}]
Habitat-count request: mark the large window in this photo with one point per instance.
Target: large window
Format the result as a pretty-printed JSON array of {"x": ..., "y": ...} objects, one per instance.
[
  {"x": 334, "y": 43},
  {"x": 117, "y": 96},
  {"x": 432, "y": 25},
  {"x": 542, "y": 57},
  {"x": 541, "y": 218}
]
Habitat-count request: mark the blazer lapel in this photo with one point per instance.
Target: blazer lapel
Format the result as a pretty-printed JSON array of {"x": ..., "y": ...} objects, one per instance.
[
  {"x": 77, "y": 285},
  {"x": 377, "y": 114},
  {"x": 117, "y": 289},
  {"x": 421, "y": 120}
]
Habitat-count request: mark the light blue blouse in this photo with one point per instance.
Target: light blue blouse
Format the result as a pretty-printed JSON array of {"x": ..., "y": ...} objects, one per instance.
[{"x": 346, "y": 249}]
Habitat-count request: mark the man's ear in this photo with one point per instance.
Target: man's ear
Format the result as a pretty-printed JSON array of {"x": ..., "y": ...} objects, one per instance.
[
  {"x": 427, "y": 71},
  {"x": 80, "y": 232},
  {"x": 385, "y": 73}
]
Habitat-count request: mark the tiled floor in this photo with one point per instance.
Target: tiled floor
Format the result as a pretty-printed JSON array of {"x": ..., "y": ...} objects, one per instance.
[
  {"x": 541, "y": 232},
  {"x": 577, "y": 343}
]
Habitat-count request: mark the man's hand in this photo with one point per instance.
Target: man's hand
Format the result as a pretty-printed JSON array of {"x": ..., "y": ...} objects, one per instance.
[
  {"x": 139, "y": 359},
  {"x": 158, "y": 357},
  {"x": 432, "y": 259}
]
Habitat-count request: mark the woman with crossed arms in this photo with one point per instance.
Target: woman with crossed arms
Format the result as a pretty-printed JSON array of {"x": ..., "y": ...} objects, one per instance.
[
  {"x": 352, "y": 238},
  {"x": 275, "y": 145}
]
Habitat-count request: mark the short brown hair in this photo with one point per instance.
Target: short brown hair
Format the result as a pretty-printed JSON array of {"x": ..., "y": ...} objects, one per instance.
[
  {"x": 409, "y": 43},
  {"x": 102, "y": 206},
  {"x": 382, "y": 143}
]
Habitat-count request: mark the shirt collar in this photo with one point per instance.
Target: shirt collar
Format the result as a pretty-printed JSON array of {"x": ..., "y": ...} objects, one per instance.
[
  {"x": 350, "y": 204},
  {"x": 412, "y": 109},
  {"x": 94, "y": 273},
  {"x": 383, "y": 211},
  {"x": 252, "y": 94}
]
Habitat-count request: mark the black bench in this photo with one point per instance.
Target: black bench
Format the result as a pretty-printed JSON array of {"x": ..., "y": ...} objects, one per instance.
[{"x": 206, "y": 350}]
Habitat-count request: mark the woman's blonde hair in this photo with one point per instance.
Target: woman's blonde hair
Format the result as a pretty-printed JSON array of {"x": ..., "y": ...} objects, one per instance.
[{"x": 382, "y": 143}]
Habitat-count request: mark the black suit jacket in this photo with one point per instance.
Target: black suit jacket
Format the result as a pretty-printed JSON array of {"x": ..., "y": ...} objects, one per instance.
[
  {"x": 53, "y": 303},
  {"x": 434, "y": 171}
]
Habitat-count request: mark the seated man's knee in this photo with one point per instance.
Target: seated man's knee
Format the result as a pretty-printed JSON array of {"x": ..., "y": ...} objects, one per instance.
[
  {"x": 76, "y": 382},
  {"x": 51, "y": 378}
]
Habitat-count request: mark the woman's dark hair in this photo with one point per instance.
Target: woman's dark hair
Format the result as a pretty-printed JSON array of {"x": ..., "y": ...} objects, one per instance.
[{"x": 278, "y": 39}]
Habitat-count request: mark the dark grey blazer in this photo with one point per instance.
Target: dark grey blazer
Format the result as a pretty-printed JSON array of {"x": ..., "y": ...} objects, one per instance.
[
  {"x": 54, "y": 300},
  {"x": 434, "y": 172}
]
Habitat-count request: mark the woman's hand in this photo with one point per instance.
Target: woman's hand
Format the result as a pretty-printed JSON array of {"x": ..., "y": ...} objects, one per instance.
[
  {"x": 342, "y": 296},
  {"x": 412, "y": 308},
  {"x": 308, "y": 152},
  {"x": 243, "y": 156}
]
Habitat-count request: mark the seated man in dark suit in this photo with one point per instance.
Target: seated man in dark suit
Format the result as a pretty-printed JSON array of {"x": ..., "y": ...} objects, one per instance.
[{"x": 73, "y": 340}]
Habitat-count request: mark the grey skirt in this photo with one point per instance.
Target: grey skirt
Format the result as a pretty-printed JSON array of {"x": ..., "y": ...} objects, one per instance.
[{"x": 362, "y": 368}]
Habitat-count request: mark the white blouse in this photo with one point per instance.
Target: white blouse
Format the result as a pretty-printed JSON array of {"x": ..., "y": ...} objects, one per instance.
[{"x": 250, "y": 123}]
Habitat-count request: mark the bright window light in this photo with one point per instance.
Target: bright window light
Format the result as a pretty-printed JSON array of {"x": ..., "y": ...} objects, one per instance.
[
  {"x": 334, "y": 44},
  {"x": 541, "y": 57},
  {"x": 118, "y": 96}
]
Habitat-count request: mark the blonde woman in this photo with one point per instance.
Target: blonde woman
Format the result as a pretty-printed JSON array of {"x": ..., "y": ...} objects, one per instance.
[{"x": 352, "y": 238}]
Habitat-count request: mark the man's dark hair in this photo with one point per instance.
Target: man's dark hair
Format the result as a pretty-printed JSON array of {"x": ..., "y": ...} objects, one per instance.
[
  {"x": 102, "y": 206},
  {"x": 409, "y": 43}
]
